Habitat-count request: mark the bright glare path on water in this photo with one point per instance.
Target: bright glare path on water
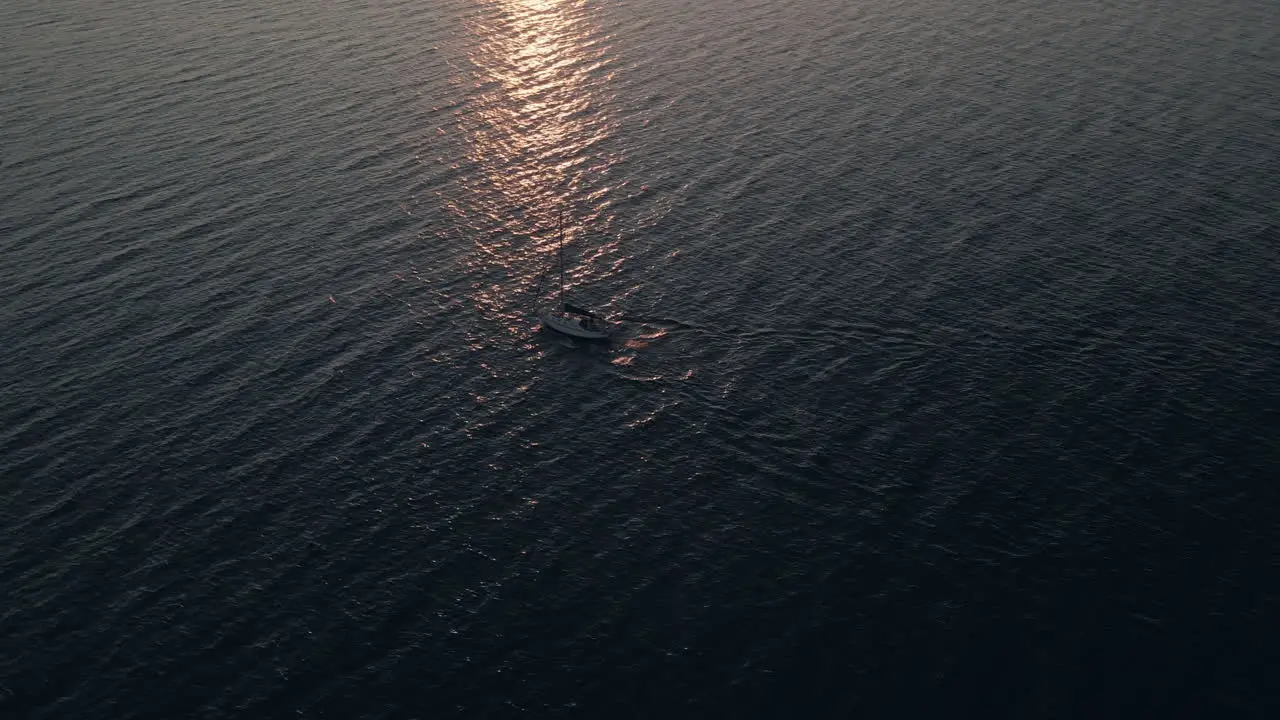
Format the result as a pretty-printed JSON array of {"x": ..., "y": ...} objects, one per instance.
[{"x": 945, "y": 384}]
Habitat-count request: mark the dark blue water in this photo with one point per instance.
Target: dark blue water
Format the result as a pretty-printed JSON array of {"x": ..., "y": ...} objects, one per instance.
[{"x": 947, "y": 380}]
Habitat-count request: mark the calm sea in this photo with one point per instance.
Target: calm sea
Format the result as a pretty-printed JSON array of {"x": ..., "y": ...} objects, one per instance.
[{"x": 946, "y": 380}]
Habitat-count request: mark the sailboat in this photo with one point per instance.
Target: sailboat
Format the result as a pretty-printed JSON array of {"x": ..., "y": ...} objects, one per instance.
[{"x": 567, "y": 318}]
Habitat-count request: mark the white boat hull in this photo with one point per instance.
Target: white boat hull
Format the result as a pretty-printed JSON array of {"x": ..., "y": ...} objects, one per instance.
[{"x": 572, "y": 326}]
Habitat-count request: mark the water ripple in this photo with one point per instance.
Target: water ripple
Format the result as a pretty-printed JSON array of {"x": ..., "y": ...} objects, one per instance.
[{"x": 947, "y": 357}]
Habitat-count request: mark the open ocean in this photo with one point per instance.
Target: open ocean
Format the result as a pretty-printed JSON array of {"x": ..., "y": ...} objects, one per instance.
[{"x": 946, "y": 385}]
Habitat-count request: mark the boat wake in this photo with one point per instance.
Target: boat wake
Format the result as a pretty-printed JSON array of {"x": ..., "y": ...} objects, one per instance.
[{"x": 662, "y": 323}]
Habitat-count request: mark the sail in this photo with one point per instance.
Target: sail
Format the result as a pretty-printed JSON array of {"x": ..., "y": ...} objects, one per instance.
[{"x": 579, "y": 311}]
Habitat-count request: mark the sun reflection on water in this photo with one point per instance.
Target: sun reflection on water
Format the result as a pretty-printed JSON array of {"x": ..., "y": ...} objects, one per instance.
[{"x": 535, "y": 129}]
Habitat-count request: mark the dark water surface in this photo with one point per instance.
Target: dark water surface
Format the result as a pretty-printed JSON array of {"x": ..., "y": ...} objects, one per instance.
[{"x": 948, "y": 381}]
